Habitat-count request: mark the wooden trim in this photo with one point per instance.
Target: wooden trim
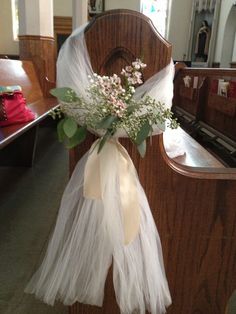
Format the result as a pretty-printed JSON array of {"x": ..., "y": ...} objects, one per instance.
[
  {"x": 212, "y": 173},
  {"x": 35, "y": 37},
  {"x": 62, "y": 24},
  {"x": 215, "y": 64},
  {"x": 9, "y": 56},
  {"x": 209, "y": 71},
  {"x": 233, "y": 64}
]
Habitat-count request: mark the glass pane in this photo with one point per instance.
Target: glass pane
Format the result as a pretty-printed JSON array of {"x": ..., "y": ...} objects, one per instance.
[{"x": 156, "y": 10}]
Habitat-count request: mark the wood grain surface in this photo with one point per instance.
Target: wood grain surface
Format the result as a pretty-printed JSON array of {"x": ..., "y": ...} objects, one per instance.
[
  {"x": 40, "y": 50},
  {"x": 194, "y": 208}
]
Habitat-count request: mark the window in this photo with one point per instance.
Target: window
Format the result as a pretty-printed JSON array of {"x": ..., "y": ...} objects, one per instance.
[
  {"x": 157, "y": 11},
  {"x": 15, "y": 19}
]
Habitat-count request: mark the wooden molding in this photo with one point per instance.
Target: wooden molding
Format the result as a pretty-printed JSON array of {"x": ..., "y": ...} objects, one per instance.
[
  {"x": 62, "y": 24},
  {"x": 215, "y": 64},
  {"x": 233, "y": 64},
  {"x": 35, "y": 37}
]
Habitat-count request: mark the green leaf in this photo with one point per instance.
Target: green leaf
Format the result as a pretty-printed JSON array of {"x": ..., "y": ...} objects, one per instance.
[
  {"x": 60, "y": 131},
  {"x": 130, "y": 109},
  {"x": 70, "y": 127},
  {"x": 231, "y": 306},
  {"x": 161, "y": 126},
  {"x": 77, "y": 138},
  {"x": 143, "y": 132},
  {"x": 103, "y": 140},
  {"x": 106, "y": 122},
  {"x": 142, "y": 148},
  {"x": 65, "y": 94}
]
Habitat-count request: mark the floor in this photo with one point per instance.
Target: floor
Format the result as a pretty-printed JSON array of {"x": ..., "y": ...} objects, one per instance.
[{"x": 29, "y": 200}]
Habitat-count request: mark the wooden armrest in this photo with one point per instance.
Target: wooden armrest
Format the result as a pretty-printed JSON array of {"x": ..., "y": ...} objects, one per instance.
[{"x": 197, "y": 162}]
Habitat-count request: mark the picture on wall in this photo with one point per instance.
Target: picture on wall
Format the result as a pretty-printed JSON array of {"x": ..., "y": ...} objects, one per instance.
[{"x": 95, "y": 7}]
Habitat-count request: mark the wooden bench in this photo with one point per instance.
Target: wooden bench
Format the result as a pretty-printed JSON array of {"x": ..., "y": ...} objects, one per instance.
[
  {"x": 192, "y": 197},
  {"x": 209, "y": 118},
  {"x": 18, "y": 142}
]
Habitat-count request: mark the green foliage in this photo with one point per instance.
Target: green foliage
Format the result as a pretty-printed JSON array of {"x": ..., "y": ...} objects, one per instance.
[
  {"x": 143, "y": 133},
  {"x": 103, "y": 140},
  {"x": 110, "y": 106},
  {"x": 70, "y": 133},
  {"x": 65, "y": 94},
  {"x": 142, "y": 148},
  {"x": 69, "y": 127},
  {"x": 106, "y": 122},
  {"x": 77, "y": 138},
  {"x": 231, "y": 306}
]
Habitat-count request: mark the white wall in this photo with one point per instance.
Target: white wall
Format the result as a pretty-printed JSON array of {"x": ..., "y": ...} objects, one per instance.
[
  {"x": 234, "y": 50},
  {"x": 62, "y": 7},
  {"x": 229, "y": 37},
  {"x": 180, "y": 15},
  {"x": 224, "y": 12},
  {"x": 7, "y": 44},
  {"x": 179, "y": 25},
  {"x": 122, "y": 4}
]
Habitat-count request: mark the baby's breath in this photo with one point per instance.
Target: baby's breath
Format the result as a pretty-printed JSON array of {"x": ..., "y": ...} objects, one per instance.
[{"x": 111, "y": 106}]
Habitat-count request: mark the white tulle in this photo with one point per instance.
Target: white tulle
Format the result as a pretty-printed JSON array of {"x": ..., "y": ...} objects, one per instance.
[
  {"x": 173, "y": 142},
  {"x": 74, "y": 68},
  {"x": 88, "y": 236}
]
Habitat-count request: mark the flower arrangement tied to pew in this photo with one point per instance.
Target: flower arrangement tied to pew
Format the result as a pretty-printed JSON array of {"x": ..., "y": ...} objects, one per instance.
[
  {"x": 104, "y": 218},
  {"x": 110, "y": 106}
]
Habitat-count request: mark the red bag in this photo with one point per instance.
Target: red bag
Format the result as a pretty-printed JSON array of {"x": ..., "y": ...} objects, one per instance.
[{"x": 13, "y": 108}]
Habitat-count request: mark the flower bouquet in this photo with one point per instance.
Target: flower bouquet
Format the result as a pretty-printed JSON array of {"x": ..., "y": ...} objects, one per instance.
[{"x": 110, "y": 109}]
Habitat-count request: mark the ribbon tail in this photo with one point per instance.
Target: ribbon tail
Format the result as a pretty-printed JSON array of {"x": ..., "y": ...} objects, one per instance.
[
  {"x": 92, "y": 175},
  {"x": 129, "y": 196},
  {"x": 97, "y": 170}
]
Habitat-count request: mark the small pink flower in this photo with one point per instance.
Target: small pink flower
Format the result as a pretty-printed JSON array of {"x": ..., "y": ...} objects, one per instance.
[{"x": 129, "y": 68}]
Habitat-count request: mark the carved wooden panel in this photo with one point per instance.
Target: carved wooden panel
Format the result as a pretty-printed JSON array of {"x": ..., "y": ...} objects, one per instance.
[{"x": 117, "y": 37}]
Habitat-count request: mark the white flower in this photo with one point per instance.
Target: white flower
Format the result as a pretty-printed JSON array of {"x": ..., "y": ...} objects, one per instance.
[{"x": 132, "y": 89}]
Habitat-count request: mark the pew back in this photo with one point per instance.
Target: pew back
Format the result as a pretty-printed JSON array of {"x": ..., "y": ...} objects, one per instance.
[
  {"x": 194, "y": 225},
  {"x": 206, "y": 111},
  {"x": 14, "y": 72},
  {"x": 20, "y": 139},
  {"x": 115, "y": 39}
]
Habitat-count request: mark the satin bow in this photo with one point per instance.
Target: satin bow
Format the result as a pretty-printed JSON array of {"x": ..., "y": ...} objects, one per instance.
[{"x": 95, "y": 181}]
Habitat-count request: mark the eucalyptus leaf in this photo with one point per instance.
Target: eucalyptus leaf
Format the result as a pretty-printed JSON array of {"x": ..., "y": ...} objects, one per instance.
[
  {"x": 142, "y": 148},
  {"x": 65, "y": 94},
  {"x": 130, "y": 109},
  {"x": 60, "y": 131},
  {"x": 70, "y": 127},
  {"x": 77, "y": 138},
  {"x": 143, "y": 132},
  {"x": 103, "y": 140},
  {"x": 231, "y": 306},
  {"x": 106, "y": 122},
  {"x": 161, "y": 126}
]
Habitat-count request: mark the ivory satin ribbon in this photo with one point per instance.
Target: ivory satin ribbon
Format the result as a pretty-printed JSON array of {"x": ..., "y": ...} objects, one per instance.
[{"x": 94, "y": 180}]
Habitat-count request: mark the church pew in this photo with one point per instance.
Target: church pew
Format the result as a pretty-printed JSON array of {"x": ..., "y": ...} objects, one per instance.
[
  {"x": 206, "y": 115},
  {"x": 18, "y": 141},
  {"x": 192, "y": 197},
  {"x": 193, "y": 201}
]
